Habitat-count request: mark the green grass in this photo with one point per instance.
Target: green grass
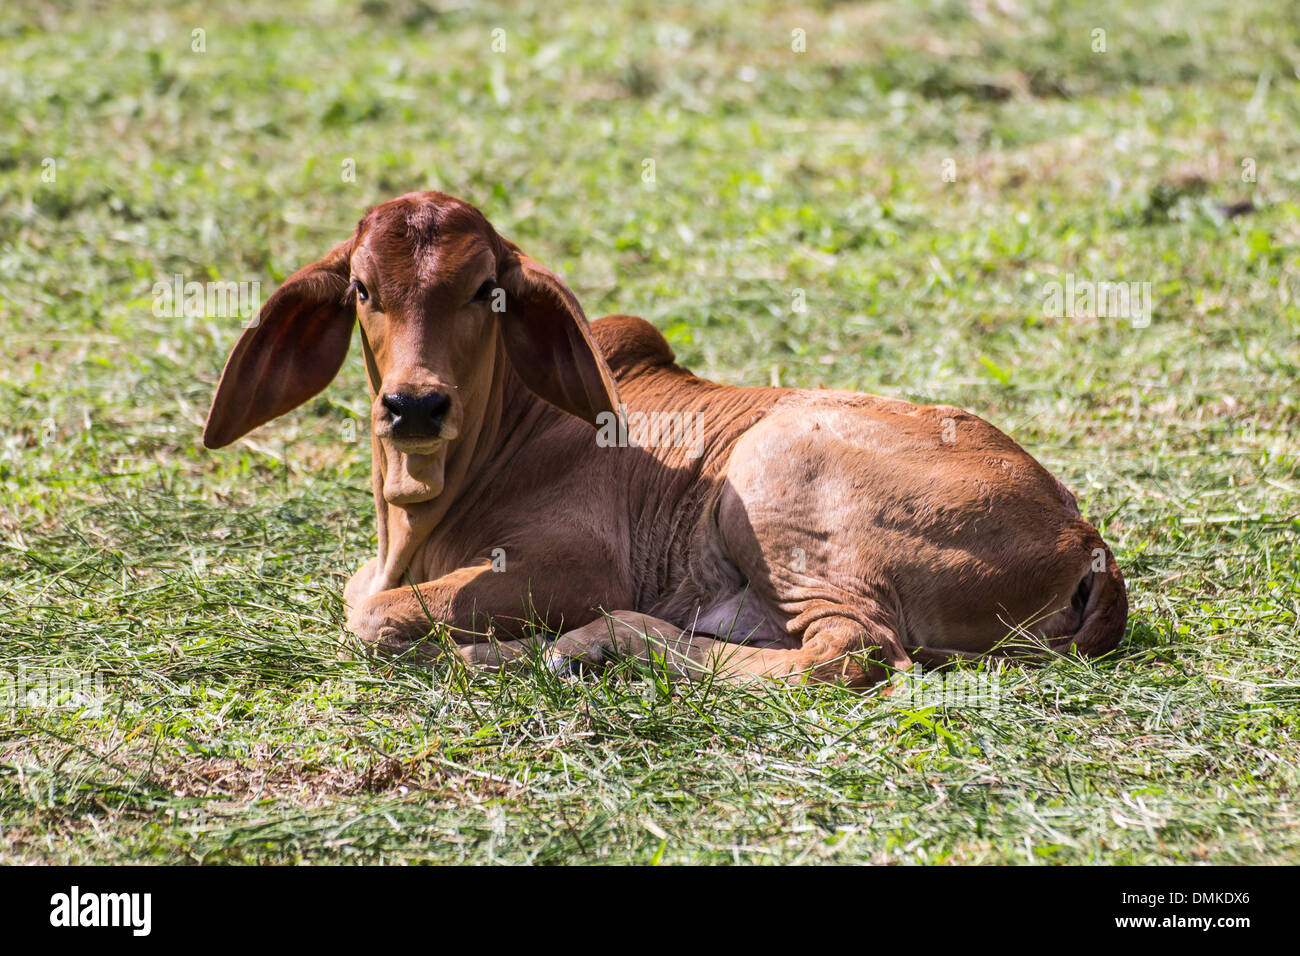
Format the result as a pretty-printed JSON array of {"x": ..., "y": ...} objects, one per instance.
[{"x": 203, "y": 589}]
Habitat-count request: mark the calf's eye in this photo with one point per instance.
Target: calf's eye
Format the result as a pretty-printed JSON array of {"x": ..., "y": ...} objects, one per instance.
[
  {"x": 363, "y": 295},
  {"x": 485, "y": 290}
]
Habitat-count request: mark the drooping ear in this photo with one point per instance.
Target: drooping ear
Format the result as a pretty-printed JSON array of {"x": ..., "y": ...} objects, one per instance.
[
  {"x": 548, "y": 341},
  {"x": 293, "y": 350}
]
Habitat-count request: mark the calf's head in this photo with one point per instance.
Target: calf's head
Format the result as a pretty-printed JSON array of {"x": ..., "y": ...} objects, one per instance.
[{"x": 442, "y": 301}]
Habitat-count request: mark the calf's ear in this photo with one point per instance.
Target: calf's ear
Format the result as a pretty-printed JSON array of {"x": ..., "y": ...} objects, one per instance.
[
  {"x": 293, "y": 350},
  {"x": 549, "y": 343}
]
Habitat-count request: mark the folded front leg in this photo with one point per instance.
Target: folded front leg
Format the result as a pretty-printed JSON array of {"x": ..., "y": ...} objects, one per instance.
[
  {"x": 631, "y": 635},
  {"x": 501, "y": 655},
  {"x": 846, "y": 647},
  {"x": 475, "y": 603}
]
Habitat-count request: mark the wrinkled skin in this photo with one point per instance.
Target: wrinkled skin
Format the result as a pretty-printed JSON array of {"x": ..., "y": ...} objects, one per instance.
[{"x": 781, "y": 533}]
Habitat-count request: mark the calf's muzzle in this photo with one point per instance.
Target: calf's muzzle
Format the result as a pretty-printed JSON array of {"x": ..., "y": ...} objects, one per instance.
[{"x": 417, "y": 415}]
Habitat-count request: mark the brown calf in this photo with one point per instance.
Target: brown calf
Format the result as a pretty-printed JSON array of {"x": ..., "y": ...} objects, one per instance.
[{"x": 785, "y": 533}]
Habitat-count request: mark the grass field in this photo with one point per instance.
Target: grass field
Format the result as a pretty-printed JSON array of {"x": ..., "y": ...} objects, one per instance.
[{"x": 913, "y": 179}]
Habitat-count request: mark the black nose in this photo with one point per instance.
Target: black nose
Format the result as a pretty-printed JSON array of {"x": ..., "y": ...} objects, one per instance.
[{"x": 417, "y": 416}]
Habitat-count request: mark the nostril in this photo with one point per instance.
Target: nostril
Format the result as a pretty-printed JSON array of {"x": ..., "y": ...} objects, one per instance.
[
  {"x": 396, "y": 404},
  {"x": 439, "y": 405}
]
